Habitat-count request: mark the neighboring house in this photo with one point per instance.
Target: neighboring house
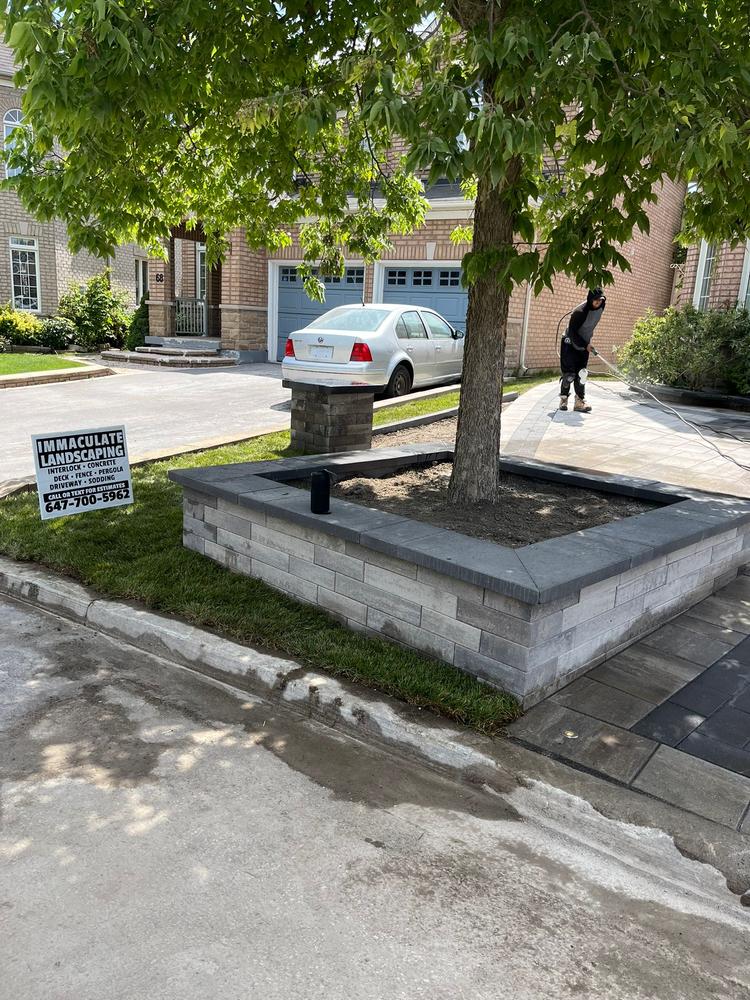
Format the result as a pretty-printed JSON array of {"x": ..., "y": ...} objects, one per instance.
[
  {"x": 715, "y": 276},
  {"x": 36, "y": 266},
  {"x": 253, "y": 300}
]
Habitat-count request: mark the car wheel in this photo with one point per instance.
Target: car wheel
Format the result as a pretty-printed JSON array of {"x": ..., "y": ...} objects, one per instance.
[{"x": 399, "y": 383}]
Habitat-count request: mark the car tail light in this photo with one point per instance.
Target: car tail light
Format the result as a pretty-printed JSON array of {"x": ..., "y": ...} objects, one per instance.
[
  {"x": 289, "y": 349},
  {"x": 361, "y": 352}
]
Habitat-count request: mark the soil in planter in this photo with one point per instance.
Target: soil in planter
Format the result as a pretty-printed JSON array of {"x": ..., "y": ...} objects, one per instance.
[{"x": 529, "y": 510}]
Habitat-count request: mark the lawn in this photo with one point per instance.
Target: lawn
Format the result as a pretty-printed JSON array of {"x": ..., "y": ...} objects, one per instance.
[
  {"x": 17, "y": 364},
  {"x": 136, "y": 552},
  {"x": 421, "y": 407}
]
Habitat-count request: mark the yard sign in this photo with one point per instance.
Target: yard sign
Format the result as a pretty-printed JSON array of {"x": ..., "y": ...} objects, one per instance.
[{"x": 81, "y": 471}]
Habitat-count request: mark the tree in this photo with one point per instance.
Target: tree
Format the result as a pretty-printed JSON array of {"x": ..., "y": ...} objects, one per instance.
[{"x": 560, "y": 116}]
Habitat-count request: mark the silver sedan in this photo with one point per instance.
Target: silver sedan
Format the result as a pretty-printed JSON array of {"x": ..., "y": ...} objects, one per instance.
[{"x": 399, "y": 347}]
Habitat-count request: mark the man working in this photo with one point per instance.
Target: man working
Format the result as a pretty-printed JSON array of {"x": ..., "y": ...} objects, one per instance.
[{"x": 575, "y": 347}]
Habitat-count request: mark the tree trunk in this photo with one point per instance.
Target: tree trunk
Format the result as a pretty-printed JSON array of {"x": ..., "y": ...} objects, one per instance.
[{"x": 476, "y": 473}]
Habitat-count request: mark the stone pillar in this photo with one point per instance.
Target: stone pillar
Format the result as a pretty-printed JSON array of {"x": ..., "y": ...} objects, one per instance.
[
  {"x": 244, "y": 300},
  {"x": 331, "y": 417},
  {"x": 161, "y": 295}
]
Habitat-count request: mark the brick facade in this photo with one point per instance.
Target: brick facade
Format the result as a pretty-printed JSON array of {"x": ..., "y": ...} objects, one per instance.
[
  {"x": 245, "y": 281},
  {"x": 58, "y": 268}
]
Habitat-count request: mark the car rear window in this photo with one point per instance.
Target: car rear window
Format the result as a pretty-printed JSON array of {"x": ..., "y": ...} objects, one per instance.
[{"x": 345, "y": 318}]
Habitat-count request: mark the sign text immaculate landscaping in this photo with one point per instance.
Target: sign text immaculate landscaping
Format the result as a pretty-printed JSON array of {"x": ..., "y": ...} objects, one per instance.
[{"x": 82, "y": 471}]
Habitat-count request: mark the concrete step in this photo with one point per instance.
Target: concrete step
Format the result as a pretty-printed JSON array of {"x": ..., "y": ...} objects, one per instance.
[
  {"x": 185, "y": 343},
  {"x": 168, "y": 360},
  {"x": 178, "y": 352}
]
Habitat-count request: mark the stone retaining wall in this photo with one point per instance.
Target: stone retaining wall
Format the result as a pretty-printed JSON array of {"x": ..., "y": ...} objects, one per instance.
[{"x": 526, "y": 648}]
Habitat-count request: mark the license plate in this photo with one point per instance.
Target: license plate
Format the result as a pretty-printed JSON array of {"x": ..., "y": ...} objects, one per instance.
[{"x": 321, "y": 353}]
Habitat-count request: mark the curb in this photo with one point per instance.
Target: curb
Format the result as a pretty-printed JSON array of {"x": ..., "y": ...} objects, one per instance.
[
  {"x": 52, "y": 376},
  {"x": 428, "y": 418},
  {"x": 277, "y": 679},
  {"x": 500, "y": 766}
]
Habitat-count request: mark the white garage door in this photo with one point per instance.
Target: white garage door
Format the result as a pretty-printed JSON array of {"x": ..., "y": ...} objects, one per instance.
[
  {"x": 434, "y": 287},
  {"x": 297, "y": 310}
]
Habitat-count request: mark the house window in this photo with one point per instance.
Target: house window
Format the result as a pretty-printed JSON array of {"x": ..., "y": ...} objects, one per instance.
[
  {"x": 450, "y": 279},
  {"x": 13, "y": 119},
  {"x": 422, "y": 278},
  {"x": 24, "y": 266},
  {"x": 355, "y": 276},
  {"x": 704, "y": 277},
  {"x": 141, "y": 280},
  {"x": 331, "y": 279},
  {"x": 200, "y": 270},
  {"x": 288, "y": 275},
  {"x": 396, "y": 277}
]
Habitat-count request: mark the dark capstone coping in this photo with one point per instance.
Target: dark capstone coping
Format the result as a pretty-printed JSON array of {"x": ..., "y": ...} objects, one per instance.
[
  {"x": 331, "y": 388},
  {"x": 534, "y": 574}
]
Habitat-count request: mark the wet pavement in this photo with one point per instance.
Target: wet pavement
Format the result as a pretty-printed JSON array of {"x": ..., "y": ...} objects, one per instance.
[{"x": 165, "y": 837}]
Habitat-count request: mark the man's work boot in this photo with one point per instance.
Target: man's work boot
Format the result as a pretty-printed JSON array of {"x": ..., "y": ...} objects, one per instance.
[
  {"x": 563, "y": 402},
  {"x": 581, "y": 406}
]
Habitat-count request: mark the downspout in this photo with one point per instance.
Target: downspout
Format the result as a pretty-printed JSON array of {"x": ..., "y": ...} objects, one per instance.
[{"x": 522, "y": 369}]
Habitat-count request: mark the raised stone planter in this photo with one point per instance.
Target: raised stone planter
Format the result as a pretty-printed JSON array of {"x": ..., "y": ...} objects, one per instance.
[
  {"x": 527, "y": 620},
  {"x": 330, "y": 417}
]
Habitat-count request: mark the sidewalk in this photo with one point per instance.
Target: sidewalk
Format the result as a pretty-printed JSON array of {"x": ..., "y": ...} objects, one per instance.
[
  {"x": 625, "y": 436},
  {"x": 669, "y": 716}
]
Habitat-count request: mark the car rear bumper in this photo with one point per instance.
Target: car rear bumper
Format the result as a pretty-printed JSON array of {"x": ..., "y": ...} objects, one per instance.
[{"x": 308, "y": 371}]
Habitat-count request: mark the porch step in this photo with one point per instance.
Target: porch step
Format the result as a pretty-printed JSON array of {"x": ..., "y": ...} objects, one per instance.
[
  {"x": 178, "y": 352},
  {"x": 185, "y": 343},
  {"x": 170, "y": 360}
]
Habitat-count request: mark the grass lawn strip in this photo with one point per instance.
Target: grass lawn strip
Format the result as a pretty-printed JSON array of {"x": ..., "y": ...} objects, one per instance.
[
  {"x": 136, "y": 553},
  {"x": 19, "y": 364}
]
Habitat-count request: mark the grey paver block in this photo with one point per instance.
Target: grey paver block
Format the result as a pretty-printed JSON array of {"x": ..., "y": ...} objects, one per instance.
[
  {"x": 703, "y": 627},
  {"x": 603, "y": 702},
  {"x": 646, "y": 673},
  {"x": 727, "y": 614},
  {"x": 449, "y": 628},
  {"x": 696, "y": 785},
  {"x": 343, "y": 607},
  {"x": 498, "y": 674},
  {"x": 379, "y": 600},
  {"x": 598, "y": 746},
  {"x": 411, "y": 590},
  {"x": 340, "y": 562},
  {"x": 410, "y": 635},
  {"x": 673, "y": 638}
]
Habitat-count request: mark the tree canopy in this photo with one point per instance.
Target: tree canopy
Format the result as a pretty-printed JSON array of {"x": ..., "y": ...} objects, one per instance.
[{"x": 559, "y": 116}]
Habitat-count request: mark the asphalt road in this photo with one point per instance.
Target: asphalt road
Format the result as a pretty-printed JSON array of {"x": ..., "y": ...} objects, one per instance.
[
  {"x": 163, "y": 838},
  {"x": 162, "y": 410}
]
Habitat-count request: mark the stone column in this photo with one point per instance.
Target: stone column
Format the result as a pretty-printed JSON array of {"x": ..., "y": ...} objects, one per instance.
[
  {"x": 161, "y": 295},
  {"x": 331, "y": 417},
  {"x": 244, "y": 300}
]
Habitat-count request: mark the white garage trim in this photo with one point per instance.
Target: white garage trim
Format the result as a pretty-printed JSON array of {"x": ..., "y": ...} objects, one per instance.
[
  {"x": 743, "y": 299},
  {"x": 381, "y": 266},
  {"x": 274, "y": 269}
]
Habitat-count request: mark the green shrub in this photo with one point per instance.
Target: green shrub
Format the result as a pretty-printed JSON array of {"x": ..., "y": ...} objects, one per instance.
[
  {"x": 19, "y": 327},
  {"x": 138, "y": 329},
  {"x": 57, "y": 333},
  {"x": 690, "y": 349},
  {"x": 97, "y": 313},
  {"x": 5, "y": 345}
]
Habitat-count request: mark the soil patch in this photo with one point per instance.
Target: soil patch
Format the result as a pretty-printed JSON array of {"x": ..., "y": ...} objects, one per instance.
[{"x": 529, "y": 510}]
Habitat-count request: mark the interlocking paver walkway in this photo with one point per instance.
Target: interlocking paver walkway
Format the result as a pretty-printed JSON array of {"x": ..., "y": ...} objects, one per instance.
[
  {"x": 623, "y": 435},
  {"x": 669, "y": 716}
]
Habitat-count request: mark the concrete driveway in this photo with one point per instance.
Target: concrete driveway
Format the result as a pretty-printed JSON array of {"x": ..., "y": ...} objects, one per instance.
[
  {"x": 165, "y": 838},
  {"x": 163, "y": 411}
]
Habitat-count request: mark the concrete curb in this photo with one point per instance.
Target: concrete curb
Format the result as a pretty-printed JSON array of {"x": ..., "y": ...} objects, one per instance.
[
  {"x": 499, "y": 764},
  {"x": 428, "y": 418},
  {"x": 53, "y": 375}
]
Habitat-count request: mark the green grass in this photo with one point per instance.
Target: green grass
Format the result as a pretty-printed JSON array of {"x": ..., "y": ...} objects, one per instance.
[
  {"x": 16, "y": 364},
  {"x": 421, "y": 407},
  {"x": 136, "y": 552}
]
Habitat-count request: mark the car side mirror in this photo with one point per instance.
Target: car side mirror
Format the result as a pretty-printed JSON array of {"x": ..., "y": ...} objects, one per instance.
[{"x": 458, "y": 334}]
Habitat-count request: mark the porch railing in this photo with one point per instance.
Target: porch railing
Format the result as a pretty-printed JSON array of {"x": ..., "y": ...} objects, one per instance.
[{"x": 191, "y": 317}]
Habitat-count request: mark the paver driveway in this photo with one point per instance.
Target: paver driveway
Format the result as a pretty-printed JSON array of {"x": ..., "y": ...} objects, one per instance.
[{"x": 163, "y": 411}]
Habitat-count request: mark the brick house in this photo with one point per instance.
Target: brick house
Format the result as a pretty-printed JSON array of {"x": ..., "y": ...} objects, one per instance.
[
  {"x": 714, "y": 276},
  {"x": 253, "y": 300},
  {"x": 36, "y": 266}
]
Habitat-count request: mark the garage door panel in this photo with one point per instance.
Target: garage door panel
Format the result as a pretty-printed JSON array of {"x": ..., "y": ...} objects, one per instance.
[
  {"x": 430, "y": 287},
  {"x": 297, "y": 310}
]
